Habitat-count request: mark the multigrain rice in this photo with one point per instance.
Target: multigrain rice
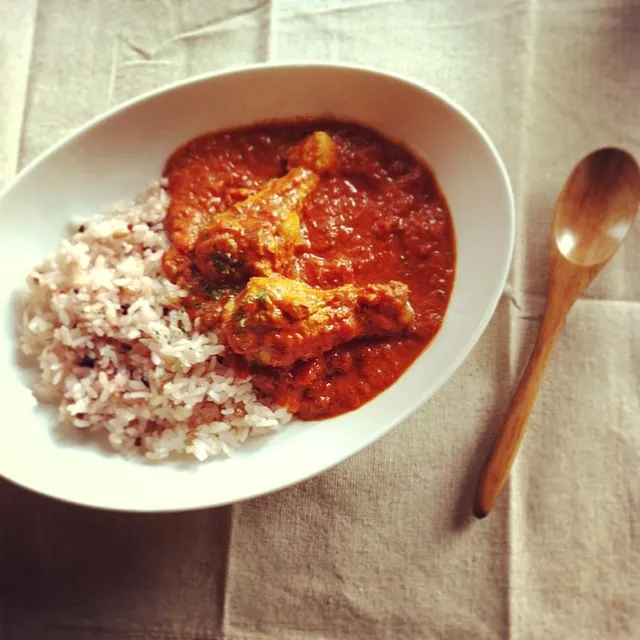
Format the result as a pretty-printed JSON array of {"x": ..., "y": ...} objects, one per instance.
[{"x": 117, "y": 352}]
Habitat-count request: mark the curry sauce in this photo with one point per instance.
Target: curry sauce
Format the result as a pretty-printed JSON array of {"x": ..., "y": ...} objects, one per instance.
[{"x": 373, "y": 215}]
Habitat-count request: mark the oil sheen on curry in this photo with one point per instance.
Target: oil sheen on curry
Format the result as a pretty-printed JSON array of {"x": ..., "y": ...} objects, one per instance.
[{"x": 321, "y": 253}]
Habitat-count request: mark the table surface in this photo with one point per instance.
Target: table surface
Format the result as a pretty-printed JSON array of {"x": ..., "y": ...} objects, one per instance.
[{"x": 383, "y": 546}]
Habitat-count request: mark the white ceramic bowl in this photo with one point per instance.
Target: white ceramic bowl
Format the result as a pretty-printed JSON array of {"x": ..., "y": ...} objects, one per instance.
[{"x": 116, "y": 155}]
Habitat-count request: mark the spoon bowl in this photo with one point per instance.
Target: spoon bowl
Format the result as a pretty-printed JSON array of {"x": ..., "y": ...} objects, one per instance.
[
  {"x": 595, "y": 211},
  {"x": 596, "y": 208}
]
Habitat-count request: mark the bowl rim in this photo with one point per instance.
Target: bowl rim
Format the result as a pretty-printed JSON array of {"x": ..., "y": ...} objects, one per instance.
[{"x": 446, "y": 372}]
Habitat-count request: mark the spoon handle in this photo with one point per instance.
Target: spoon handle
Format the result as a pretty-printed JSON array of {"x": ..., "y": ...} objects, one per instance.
[{"x": 505, "y": 447}]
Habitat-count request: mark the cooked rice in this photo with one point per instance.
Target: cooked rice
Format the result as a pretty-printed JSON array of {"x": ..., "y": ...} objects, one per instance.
[{"x": 116, "y": 351}]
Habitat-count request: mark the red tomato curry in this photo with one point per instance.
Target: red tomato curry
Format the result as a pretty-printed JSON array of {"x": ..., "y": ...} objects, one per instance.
[{"x": 379, "y": 216}]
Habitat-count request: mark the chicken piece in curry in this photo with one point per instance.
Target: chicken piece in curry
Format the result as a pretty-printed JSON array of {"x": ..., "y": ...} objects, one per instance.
[
  {"x": 321, "y": 253},
  {"x": 259, "y": 235},
  {"x": 277, "y": 321},
  {"x": 318, "y": 152}
]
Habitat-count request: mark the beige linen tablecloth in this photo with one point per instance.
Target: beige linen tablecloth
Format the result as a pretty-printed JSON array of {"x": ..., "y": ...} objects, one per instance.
[{"x": 382, "y": 546}]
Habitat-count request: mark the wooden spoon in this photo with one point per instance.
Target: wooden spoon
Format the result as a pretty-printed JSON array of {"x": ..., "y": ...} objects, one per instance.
[{"x": 595, "y": 211}]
